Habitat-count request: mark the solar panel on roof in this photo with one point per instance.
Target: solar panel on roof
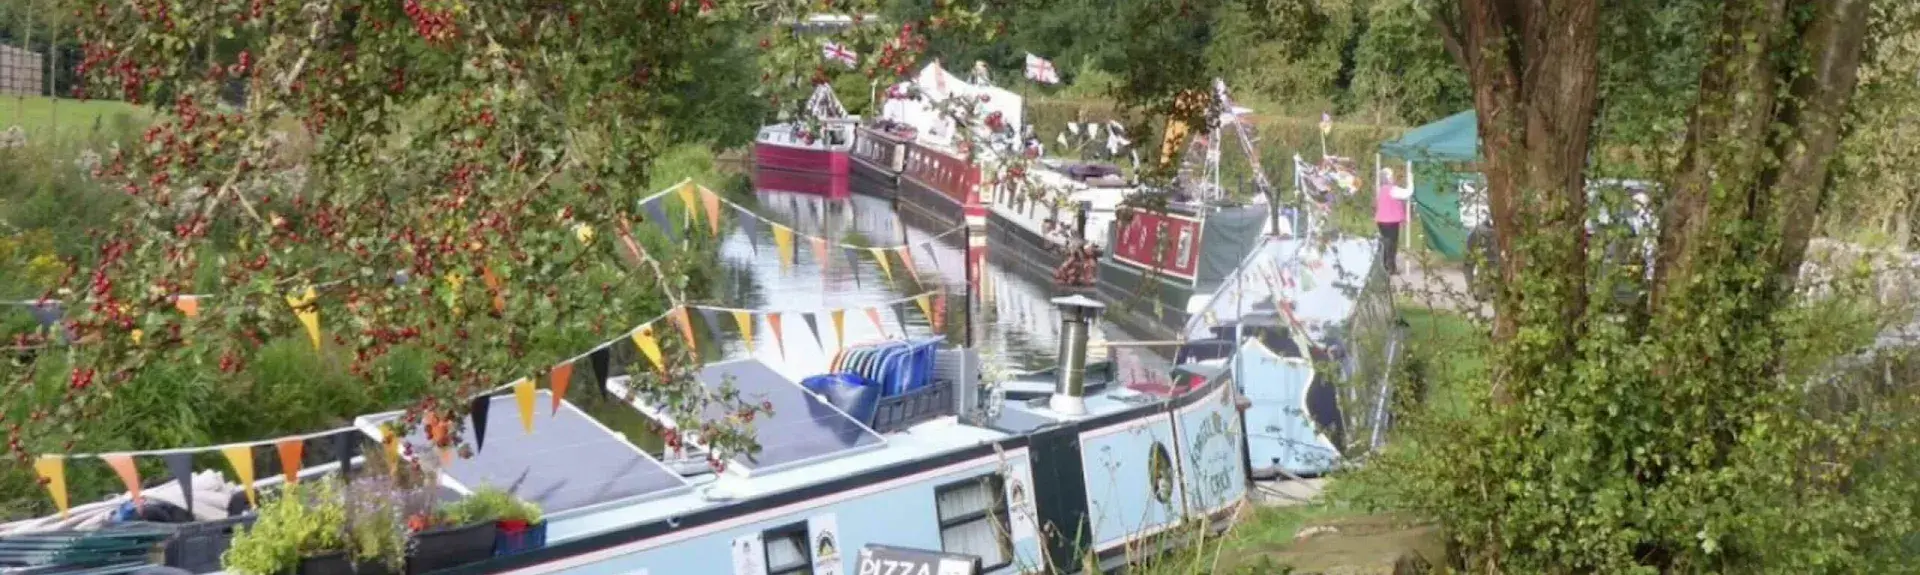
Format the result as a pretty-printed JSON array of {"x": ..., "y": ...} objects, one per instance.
[
  {"x": 802, "y": 427},
  {"x": 568, "y": 462}
]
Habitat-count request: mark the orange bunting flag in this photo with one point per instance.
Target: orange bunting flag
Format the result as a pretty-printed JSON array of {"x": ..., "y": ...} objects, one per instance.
[
  {"x": 122, "y": 465},
  {"x": 685, "y": 324},
  {"x": 839, "y": 317},
  {"x": 686, "y": 200},
  {"x": 820, "y": 253},
  {"x": 188, "y": 304},
  {"x": 493, "y": 285},
  {"x": 241, "y": 458},
  {"x": 886, "y": 267},
  {"x": 873, "y": 315},
  {"x": 649, "y": 346},
  {"x": 557, "y": 382},
  {"x": 906, "y": 258},
  {"x": 783, "y": 243},
  {"x": 939, "y": 311},
  {"x": 713, "y": 210},
  {"x": 523, "y": 395},
  {"x": 53, "y": 471},
  {"x": 309, "y": 313},
  {"x": 745, "y": 321},
  {"x": 290, "y": 450},
  {"x": 773, "y": 319},
  {"x": 926, "y": 307}
]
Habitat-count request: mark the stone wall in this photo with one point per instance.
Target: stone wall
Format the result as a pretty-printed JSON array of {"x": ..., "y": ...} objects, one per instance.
[{"x": 22, "y": 72}]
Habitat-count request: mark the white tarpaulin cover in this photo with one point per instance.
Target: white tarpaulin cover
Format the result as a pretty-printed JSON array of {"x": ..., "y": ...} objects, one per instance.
[{"x": 936, "y": 84}]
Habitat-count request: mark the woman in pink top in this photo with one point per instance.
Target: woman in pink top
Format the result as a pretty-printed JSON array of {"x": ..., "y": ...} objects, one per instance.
[{"x": 1389, "y": 210}]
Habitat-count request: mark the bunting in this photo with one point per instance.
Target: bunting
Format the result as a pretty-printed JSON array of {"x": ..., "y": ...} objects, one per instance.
[
  {"x": 839, "y": 317},
  {"x": 926, "y": 307},
  {"x": 873, "y": 315},
  {"x": 180, "y": 466},
  {"x": 933, "y": 257},
  {"x": 900, "y": 317},
  {"x": 853, "y": 264},
  {"x": 751, "y": 228},
  {"x": 309, "y": 314},
  {"x": 557, "y": 382},
  {"x": 685, "y": 191},
  {"x": 290, "y": 450},
  {"x": 745, "y": 321},
  {"x": 241, "y": 458},
  {"x": 602, "y": 361},
  {"x": 658, "y": 215},
  {"x": 906, "y": 258},
  {"x": 649, "y": 345},
  {"x": 122, "y": 465},
  {"x": 713, "y": 210},
  {"x": 523, "y": 398},
  {"x": 773, "y": 319},
  {"x": 813, "y": 327},
  {"x": 711, "y": 318},
  {"x": 880, "y": 255},
  {"x": 480, "y": 409},
  {"x": 783, "y": 242},
  {"x": 345, "y": 443},
  {"x": 685, "y": 324},
  {"x": 939, "y": 311},
  {"x": 820, "y": 254},
  {"x": 53, "y": 472}
]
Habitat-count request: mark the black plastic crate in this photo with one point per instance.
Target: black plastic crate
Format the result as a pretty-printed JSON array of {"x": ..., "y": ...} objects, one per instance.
[
  {"x": 913, "y": 407},
  {"x": 197, "y": 547}
]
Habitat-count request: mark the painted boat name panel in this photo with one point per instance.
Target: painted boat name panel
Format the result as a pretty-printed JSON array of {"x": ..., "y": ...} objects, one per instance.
[{"x": 1141, "y": 243}]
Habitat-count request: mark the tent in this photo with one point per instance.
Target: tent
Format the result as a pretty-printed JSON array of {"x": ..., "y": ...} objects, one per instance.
[{"x": 1451, "y": 140}]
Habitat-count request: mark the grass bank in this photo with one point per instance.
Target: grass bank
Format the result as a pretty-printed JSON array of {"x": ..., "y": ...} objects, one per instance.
[{"x": 45, "y": 119}]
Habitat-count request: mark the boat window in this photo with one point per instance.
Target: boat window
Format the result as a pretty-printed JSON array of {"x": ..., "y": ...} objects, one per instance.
[
  {"x": 787, "y": 552},
  {"x": 973, "y": 519}
]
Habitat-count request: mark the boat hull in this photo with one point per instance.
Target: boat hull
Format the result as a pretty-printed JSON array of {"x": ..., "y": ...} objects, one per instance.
[
  {"x": 769, "y": 156},
  {"x": 810, "y": 183}
]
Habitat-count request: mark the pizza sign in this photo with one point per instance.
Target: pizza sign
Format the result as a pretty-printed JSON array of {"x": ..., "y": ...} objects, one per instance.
[{"x": 886, "y": 560}]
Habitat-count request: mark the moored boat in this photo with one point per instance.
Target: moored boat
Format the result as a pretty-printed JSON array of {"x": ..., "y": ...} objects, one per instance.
[{"x": 820, "y": 147}]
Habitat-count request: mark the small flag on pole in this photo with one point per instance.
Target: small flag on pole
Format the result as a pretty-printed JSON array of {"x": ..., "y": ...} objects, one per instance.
[
  {"x": 1040, "y": 70},
  {"x": 841, "y": 54}
]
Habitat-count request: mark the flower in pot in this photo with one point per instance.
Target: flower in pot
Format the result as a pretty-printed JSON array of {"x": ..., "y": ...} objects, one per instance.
[
  {"x": 300, "y": 530},
  {"x": 452, "y": 535},
  {"x": 519, "y": 525},
  {"x": 376, "y": 529}
]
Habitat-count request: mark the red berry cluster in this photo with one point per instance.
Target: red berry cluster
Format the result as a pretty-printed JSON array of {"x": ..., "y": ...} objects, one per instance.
[{"x": 435, "y": 26}]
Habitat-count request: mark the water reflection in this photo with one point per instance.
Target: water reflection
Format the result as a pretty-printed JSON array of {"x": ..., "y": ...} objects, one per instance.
[{"x": 1018, "y": 327}]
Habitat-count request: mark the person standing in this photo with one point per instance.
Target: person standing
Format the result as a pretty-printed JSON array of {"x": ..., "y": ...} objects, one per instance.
[{"x": 1389, "y": 211}]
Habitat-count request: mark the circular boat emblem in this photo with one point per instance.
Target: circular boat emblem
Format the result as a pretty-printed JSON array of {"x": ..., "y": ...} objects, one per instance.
[{"x": 1160, "y": 472}]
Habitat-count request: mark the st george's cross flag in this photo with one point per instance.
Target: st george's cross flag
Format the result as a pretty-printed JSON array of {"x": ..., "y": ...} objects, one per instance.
[
  {"x": 1040, "y": 70},
  {"x": 839, "y": 53}
]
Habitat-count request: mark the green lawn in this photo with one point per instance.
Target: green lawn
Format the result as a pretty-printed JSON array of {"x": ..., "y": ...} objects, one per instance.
[
  {"x": 45, "y": 118},
  {"x": 1449, "y": 352}
]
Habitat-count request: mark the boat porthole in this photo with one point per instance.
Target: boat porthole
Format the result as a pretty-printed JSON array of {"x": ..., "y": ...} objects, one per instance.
[{"x": 1160, "y": 472}]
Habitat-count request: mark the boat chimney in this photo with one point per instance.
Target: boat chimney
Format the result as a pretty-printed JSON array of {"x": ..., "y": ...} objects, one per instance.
[{"x": 1077, "y": 315}]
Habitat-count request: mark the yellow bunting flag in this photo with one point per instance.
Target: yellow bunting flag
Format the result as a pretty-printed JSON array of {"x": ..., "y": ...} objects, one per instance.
[
  {"x": 290, "y": 450},
  {"x": 241, "y": 458},
  {"x": 745, "y": 321},
  {"x": 685, "y": 324},
  {"x": 188, "y": 304},
  {"x": 523, "y": 395},
  {"x": 309, "y": 313},
  {"x": 926, "y": 306},
  {"x": 713, "y": 210},
  {"x": 906, "y": 258},
  {"x": 686, "y": 200},
  {"x": 557, "y": 382},
  {"x": 643, "y": 338},
  {"x": 773, "y": 319},
  {"x": 122, "y": 465},
  {"x": 873, "y": 315},
  {"x": 886, "y": 267},
  {"x": 783, "y": 242},
  {"x": 820, "y": 253},
  {"x": 839, "y": 317},
  {"x": 53, "y": 471},
  {"x": 493, "y": 285}
]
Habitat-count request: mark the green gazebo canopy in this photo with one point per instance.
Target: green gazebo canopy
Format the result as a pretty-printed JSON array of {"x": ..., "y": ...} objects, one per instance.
[{"x": 1454, "y": 138}]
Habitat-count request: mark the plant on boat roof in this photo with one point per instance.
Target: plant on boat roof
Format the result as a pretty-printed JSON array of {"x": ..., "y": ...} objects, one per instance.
[
  {"x": 377, "y": 511},
  {"x": 491, "y": 503},
  {"x": 302, "y": 520}
]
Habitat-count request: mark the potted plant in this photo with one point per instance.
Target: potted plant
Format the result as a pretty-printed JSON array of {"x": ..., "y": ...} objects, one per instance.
[
  {"x": 518, "y": 525},
  {"x": 450, "y": 536},
  {"x": 376, "y": 528},
  {"x": 301, "y": 530}
]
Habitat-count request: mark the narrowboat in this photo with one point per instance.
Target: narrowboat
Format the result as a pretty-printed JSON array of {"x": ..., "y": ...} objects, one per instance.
[{"x": 817, "y": 148}]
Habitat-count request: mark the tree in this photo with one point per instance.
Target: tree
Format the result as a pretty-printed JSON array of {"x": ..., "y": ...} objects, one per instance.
[{"x": 1676, "y": 430}]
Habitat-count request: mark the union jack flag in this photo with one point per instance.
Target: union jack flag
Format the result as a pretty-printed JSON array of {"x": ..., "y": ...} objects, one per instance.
[
  {"x": 1040, "y": 70},
  {"x": 840, "y": 53}
]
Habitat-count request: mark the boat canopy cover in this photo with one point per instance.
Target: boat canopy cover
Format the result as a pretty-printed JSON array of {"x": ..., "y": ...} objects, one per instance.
[
  {"x": 1307, "y": 272},
  {"x": 1228, "y": 235}
]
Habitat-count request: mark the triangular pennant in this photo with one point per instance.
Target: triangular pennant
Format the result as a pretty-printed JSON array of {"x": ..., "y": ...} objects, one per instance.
[
  {"x": 900, "y": 317},
  {"x": 649, "y": 345},
  {"x": 783, "y": 242},
  {"x": 658, "y": 215},
  {"x": 290, "y": 451},
  {"x": 820, "y": 253},
  {"x": 773, "y": 319},
  {"x": 906, "y": 259},
  {"x": 873, "y": 315},
  {"x": 839, "y": 317},
  {"x": 713, "y": 210},
  {"x": 47, "y": 313},
  {"x": 304, "y": 308},
  {"x": 685, "y": 323},
  {"x": 188, "y": 304},
  {"x": 886, "y": 268},
  {"x": 523, "y": 398},
  {"x": 933, "y": 258},
  {"x": 480, "y": 409},
  {"x": 602, "y": 361},
  {"x": 241, "y": 458},
  {"x": 926, "y": 307},
  {"x": 53, "y": 471},
  {"x": 122, "y": 465},
  {"x": 493, "y": 286},
  {"x": 180, "y": 466},
  {"x": 685, "y": 191},
  {"x": 557, "y": 382},
  {"x": 711, "y": 318},
  {"x": 745, "y": 322},
  {"x": 813, "y": 327},
  {"x": 939, "y": 311},
  {"x": 750, "y": 227},
  {"x": 853, "y": 264},
  {"x": 345, "y": 444}
]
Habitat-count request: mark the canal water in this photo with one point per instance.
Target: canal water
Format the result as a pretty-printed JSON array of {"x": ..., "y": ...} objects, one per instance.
[{"x": 1016, "y": 328}]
